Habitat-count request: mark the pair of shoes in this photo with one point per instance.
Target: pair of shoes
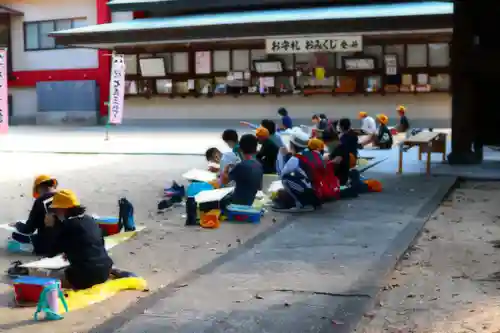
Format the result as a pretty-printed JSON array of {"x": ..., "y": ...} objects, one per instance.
[{"x": 175, "y": 191}]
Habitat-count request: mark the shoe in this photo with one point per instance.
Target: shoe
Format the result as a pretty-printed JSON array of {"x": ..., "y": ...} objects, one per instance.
[
  {"x": 303, "y": 209},
  {"x": 175, "y": 190},
  {"x": 16, "y": 270},
  {"x": 165, "y": 204}
]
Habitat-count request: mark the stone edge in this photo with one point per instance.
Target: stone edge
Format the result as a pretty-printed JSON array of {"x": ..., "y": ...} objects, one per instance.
[
  {"x": 350, "y": 312},
  {"x": 134, "y": 310}
]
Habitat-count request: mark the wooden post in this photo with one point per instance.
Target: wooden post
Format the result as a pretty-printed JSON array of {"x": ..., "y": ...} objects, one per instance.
[{"x": 462, "y": 85}]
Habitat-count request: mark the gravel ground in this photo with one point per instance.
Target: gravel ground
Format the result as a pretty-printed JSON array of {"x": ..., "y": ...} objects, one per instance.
[
  {"x": 442, "y": 285},
  {"x": 162, "y": 253}
]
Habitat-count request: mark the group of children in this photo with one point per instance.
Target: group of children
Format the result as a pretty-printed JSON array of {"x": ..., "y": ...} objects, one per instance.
[
  {"x": 58, "y": 224},
  {"x": 378, "y": 132},
  {"x": 308, "y": 174},
  {"x": 312, "y": 169}
]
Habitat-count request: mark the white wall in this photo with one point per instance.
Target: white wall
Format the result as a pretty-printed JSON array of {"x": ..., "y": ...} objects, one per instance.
[
  {"x": 25, "y": 105},
  {"x": 435, "y": 108},
  {"x": 37, "y": 10},
  {"x": 122, "y": 16}
]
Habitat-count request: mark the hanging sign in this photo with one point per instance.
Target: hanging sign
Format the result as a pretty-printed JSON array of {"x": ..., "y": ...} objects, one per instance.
[
  {"x": 391, "y": 64},
  {"x": 4, "y": 93},
  {"x": 203, "y": 62},
  {"x": 314, "y": 44},
  {"x": 117, "y": 89}
]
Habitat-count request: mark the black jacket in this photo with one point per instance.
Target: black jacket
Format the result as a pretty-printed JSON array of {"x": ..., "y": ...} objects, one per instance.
[
  {"x": 45, "y": 237},
  {"x": 82, "y": 242},
  {"x": 267, "y": 156}
]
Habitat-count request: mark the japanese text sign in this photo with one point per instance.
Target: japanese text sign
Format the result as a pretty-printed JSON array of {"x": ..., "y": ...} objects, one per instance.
[
  {"x": 4, "y": 93},
  {"x": 314, "y": 44},
  {"x": 117, "y": 89}
]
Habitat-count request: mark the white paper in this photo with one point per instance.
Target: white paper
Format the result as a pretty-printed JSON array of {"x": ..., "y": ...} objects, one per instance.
[
  {"x": 213, "y": 195},
  {"x": 59, "y": 262},
  {"x": 275, "y": 186},
  {"x": 199, "y": 175},
  {"x": 190, "y": 84}
]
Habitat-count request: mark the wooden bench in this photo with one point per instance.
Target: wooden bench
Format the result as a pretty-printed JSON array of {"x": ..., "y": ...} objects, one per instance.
[{"x": 427, "y": 142}]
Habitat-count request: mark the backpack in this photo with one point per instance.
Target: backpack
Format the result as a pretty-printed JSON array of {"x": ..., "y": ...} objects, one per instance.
[{"x": 324, "y": 183}]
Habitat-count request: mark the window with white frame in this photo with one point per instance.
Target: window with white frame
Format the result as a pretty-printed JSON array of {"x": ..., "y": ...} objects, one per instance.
[{"x": 36, "y": 34}]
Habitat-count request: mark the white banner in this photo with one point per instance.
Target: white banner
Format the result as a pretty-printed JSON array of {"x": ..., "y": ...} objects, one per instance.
[
  {"x": 4, "y": 93},
  {"x": 314, "y": 44},
  {"x": 117, "y": 89}
]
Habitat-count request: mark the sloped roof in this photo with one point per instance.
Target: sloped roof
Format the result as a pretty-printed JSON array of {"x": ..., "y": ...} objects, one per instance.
[
  {"x": 258, "y": 24},
  {"x": 267, "y": 16}
]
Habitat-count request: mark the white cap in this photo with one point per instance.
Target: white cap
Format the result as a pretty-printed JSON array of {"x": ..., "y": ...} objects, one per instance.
[{"x": 299, "y": 138}]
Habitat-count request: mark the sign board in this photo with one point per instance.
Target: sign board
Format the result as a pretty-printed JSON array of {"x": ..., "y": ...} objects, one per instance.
[
  {"x": 203, "y": 62},
  {"x": 353, "y": 64},
  {"x": 391, "y": 64},
  {"x": 4, "y": 93},
  {"x": 314, "y": 44},
  {"x": 117, "y": 89}
]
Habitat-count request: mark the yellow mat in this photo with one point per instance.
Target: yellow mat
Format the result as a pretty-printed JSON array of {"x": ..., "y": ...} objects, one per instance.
[{"x": 82, "y": 298}]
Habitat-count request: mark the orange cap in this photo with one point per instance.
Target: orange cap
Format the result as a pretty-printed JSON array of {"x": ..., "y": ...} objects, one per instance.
[
  {"x": 261, "y": 132},
  {"x": 383, "y": 118},
  {"x": 39, "y": 180},
  {"x": 316, "y": 144},
  {"x": 362, "y": 114}
]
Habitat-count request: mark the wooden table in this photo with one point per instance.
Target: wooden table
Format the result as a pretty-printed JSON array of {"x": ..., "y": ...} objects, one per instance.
[{"x": 427, "y": 142}]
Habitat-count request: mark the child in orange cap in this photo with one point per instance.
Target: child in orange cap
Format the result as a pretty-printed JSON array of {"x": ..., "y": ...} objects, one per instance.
[
  {"x": 80, "y": 241},
  {"x": 43, "y": 190},
  {"x": 368, "y": 124},
  {"x": 268, "y": 152},
  {"x": 404, "y": 124},
  {"x": 382, "y": 139}
]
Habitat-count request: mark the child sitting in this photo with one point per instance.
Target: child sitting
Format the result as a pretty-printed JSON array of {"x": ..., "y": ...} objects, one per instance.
[
  {"x": 247, "y": 175},
  {"x": 230, "y": 137},
  {"x": 268, "y": 152},
  {"x": 80, "y": 241},
  {"x": 296, "y": 176},
  {"x": 381, "y": 139},
  {"x": 214, "y": 156},
  {"x": 44, "y": 188}
]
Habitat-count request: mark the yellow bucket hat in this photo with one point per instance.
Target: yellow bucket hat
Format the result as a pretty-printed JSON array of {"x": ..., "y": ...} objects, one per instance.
[
  {"x": 401, "y": 108},
  {"x": 383, "y": 118},
  {"x": 65, "y": 199},
  {"x": 40, "y": 179},
  {"x": 261, "y": 132},
  {"x": 316, "y": 144},
  {"x": 362, "y": 114}
]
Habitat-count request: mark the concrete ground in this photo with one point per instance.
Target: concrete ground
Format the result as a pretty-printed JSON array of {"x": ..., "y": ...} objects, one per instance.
[{"x": 302, "y": 274}]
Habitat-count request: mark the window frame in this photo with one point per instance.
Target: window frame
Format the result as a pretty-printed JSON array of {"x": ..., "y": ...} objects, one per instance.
[{"x": 39, "y": 35}]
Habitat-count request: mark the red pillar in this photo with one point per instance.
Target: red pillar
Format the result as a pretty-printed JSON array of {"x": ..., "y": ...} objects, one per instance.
[{"x": 103, "y": 16}]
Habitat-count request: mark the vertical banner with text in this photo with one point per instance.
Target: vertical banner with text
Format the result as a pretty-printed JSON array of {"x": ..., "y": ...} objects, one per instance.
[
  {"x": 4, "y": 93},
  {"x": 117, "y": 89}
]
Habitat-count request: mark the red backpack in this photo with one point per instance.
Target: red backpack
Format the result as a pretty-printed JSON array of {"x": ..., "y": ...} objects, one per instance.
[{"x": 324, "y": 182}]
